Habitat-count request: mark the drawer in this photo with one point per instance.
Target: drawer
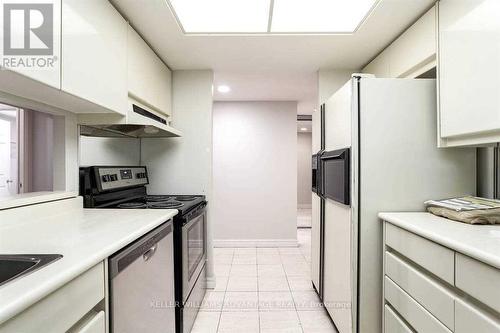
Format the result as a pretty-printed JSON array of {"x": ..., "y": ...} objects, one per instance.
[
  {"x": 62, "y": 309},
  {"x": 435, "y": 258},
  {"x": 394, "y": 324},
  {"x": 471, "y": 319},
  {"x": 425, "y": 290},
  {"x": 96, "y": 324},
  {"x": 419, "y": 318},
  {"x": 479, "y": 280}
]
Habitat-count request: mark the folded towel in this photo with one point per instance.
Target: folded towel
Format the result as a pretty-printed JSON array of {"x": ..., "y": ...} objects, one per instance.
[{"x": 479, "y": 216}]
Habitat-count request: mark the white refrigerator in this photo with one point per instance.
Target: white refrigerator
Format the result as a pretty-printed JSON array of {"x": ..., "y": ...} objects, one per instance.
[{"x": 380, "y": 155}]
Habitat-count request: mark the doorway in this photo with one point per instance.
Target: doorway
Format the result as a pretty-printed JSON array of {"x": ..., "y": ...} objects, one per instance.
[
  {"x": 304, "y": 172},
  {"x": 26, "y": 151},
  {"x": 9, "y": 157}
]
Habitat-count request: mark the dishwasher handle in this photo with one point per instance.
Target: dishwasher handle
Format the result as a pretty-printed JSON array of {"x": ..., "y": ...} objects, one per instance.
[
  {"x": 144, "y": 247},
  {"x": 150, "y": 253}
]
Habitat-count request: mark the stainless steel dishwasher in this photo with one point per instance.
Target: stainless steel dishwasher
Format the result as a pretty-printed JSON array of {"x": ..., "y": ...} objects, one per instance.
[{"x": 142, "y": 284}]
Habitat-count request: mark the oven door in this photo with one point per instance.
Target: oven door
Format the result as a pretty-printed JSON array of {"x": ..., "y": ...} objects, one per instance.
[{"x": 193, "y": 249}]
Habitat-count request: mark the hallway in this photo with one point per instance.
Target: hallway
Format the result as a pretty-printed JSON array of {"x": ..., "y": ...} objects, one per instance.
[{"x": 264, "y": 290}]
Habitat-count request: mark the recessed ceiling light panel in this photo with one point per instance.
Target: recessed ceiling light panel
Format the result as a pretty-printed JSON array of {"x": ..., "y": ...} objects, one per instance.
[
  {"x": 319, "y": 16},
  {"x": 222, "y": 16}
]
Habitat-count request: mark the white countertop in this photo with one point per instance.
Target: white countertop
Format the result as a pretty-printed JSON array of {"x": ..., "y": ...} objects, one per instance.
[
  {"x": 481, "y": 242},
  {"x": 24, "y": 199},
  {"x": 83, "y": 236}
]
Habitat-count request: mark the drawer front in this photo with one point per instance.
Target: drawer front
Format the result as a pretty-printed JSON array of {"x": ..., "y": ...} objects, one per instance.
[
  {"x": 471, "y": 319},
  {"x": 394, "y": 324},
  {"x": 435, "y": 258},
  {"x": 95, "y": 325},
  {"x": 479, "y": 280},
  {"x": 62, "y": 309},
  {"x": 428, "y": 293},
  {"x": 419, "y": 318}
]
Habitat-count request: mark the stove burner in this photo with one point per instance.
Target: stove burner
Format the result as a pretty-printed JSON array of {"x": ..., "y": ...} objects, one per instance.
[
  {"x": 166, "y": 205},
  {"x": 186, "y": 198},
  {"x": 157, "y": 198},
  {"x": 133, "y": 205}
]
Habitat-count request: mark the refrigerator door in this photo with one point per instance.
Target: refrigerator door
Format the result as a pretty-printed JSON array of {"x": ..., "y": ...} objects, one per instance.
[
  {"x": 338, "y": 275},
  {"x": 317, "y": 222}
]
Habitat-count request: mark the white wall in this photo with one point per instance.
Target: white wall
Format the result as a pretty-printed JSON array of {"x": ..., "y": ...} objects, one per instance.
[
  {"x": 330, "y": 80},
  {"x": 41, "y": 151},
  {"x": 184, "y": 165},
  {"x": 255, "y": 173},
  {"x": 304, "y": 153},
  {"x": 109, "y": 151}
]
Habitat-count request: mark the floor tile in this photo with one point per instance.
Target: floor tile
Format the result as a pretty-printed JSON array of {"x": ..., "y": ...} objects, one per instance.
[
  {"x": 316, "y": 321},
  {"x": 240, "y": 301},
  {"x": 307, "y": 301},
  {"x": 273, "y": 283},
  {"x": 300, "y": 283},
  {"x": 243, "y": 270},
  {"x": 222, "y": 270},
  {"x": 245, "y": 250},
  {"x": 289, "y": 250},
  {"x": 268, "y": 250},
  {"x": 270, "y": 270},
  {"x": 206, "y": 322},
  {"x": 282, "y": 321},
  {"x": 293, "y": 260},
  {"x": 223, "y": 259},
  {"x": 275, "y": 301},
  {"x": 242, "y": 283},
  {"x": 239, "y": 322},
  {"x": 213, "y": 301},
  {"x": 245, "y": 259},
  {"x": 223, "y": 250},
  {"x": 221, "y": 283},
  {"x": 268, "y": 259},
  {"x": 302, "y": 269}
]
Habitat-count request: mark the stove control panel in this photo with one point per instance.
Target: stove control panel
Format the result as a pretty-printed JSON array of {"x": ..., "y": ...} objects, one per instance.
[{"x": 112, "y": 178}]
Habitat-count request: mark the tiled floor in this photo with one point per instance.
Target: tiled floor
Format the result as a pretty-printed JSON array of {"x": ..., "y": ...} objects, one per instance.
[{"x": 263, "y": 290}]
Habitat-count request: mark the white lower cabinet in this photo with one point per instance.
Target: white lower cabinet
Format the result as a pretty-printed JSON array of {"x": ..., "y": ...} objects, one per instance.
[
  {"x": 394, "y": 323},
  {"x": 420, "y": 295},
  {"x": 471, "y": 319},
  {"x": 66, "y": 307},
  {"x": 95, "y": 324}
]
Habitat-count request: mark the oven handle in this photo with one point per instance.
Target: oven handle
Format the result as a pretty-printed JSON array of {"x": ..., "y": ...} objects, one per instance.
[{"x": 200, "y": 210}]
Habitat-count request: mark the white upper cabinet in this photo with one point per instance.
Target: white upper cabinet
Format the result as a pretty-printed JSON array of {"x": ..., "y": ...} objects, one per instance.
[
  {"x": 413, "y": 53},
  {"x": 149, "y": 79},
  {"x": 469, "y": 72},
  {"x": 94, "y": 53}
]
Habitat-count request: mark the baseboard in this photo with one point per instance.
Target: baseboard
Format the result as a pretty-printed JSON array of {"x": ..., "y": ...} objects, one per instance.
[
  {"x": 255, "y": 243},
  {"x": 211, "y": 282},
  {"x": 304, "y": 206}
]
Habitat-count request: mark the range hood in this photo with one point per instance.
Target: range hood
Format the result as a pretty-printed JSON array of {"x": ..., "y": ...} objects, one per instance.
[{"x": 140, "y": 121}]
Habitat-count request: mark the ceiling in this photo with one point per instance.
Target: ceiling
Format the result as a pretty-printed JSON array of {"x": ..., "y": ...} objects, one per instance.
[{"x": 270, "y": 67}]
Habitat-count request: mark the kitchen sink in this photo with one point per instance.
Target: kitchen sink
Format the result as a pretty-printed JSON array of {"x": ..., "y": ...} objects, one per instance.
[{"x": 13, "y": 266}]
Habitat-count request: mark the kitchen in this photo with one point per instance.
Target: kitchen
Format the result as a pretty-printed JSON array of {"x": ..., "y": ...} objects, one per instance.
[{"x": 148, "y": 104}]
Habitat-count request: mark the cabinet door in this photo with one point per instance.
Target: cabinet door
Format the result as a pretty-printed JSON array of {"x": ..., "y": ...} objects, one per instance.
[
  {"x": 36, "y": 56},
  {"x": 469, "y": 67},
  {"x": 149, "y": 80},
  {"x": 94, "y": 53}
]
